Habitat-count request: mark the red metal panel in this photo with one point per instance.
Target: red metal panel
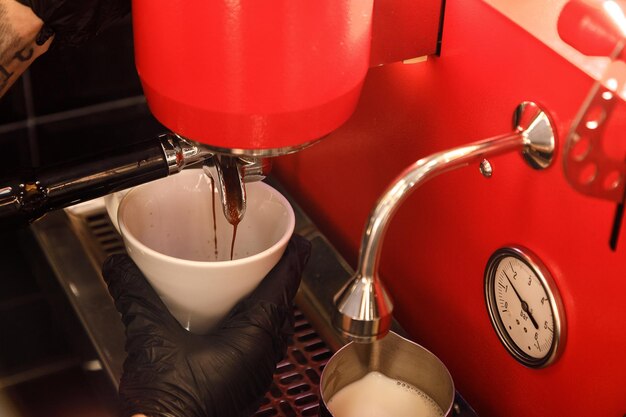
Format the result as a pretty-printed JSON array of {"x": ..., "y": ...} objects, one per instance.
[
  {"x": 439, "y": 242},
  {"x": 404, "y": 29},
  {"x": 252, "y": 74}
]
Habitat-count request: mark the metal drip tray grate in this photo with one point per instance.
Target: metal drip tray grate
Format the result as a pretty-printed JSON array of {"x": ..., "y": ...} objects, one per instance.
[
  {"x": 104, "y": 234},
  {"x": 295, "y": 390}
]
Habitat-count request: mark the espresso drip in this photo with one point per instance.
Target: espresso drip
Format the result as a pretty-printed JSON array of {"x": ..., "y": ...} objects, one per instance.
[
  {"x": 232, "y": 184},
  {"x": 213, "y": 191},
  {"x": 232, "y": 243},
  {"x": 232, "y": 192}
]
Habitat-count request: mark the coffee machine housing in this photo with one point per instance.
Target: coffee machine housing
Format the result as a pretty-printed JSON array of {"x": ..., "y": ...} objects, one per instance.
[{"x": 252, "y": 77}]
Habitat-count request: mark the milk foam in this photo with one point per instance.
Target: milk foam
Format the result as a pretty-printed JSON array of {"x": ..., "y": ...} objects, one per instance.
[{"x": 376, "y": 395}]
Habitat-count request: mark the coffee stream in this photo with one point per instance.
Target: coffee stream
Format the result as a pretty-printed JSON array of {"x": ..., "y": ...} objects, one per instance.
[
  {"x": 233, "y": 197},
  {"x": 234, "y": 223},
  {"x": 232, "y": 200},
  {"x": 232, "y": 244},
  {"x": 213, "y": 190}
]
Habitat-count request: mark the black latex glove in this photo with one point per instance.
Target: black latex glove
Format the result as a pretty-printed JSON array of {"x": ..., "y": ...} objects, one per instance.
[
  {"x": 171, "y": 372},
  {"x": 72, "y": 22}
]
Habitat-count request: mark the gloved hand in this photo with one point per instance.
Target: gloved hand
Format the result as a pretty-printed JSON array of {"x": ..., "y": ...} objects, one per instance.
[
  {"x": 72, "y": 22},
  {"x": 171, "y": 372}
]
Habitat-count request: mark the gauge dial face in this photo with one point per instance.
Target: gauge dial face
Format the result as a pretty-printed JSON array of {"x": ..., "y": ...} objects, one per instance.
[{"x": 524, "y": 306}]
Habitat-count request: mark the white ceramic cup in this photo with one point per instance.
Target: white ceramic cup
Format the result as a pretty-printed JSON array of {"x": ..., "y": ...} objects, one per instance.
[{"x": 167, "y": 228}]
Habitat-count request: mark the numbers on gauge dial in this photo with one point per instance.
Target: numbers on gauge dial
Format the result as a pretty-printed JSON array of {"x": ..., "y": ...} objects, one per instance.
[{"x": 524, "y": 308}]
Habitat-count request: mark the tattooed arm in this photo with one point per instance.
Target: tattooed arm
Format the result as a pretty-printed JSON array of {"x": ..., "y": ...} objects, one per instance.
[{"x": 19, "y": 27}]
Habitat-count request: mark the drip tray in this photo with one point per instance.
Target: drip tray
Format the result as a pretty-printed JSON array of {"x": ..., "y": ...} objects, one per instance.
[
  {"x": 295, "y": 390},
  {"x": 76, "y": 241}
]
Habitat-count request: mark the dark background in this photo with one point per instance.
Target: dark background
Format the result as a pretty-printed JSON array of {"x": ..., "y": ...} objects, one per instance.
[{"x": 72, "y": 102}]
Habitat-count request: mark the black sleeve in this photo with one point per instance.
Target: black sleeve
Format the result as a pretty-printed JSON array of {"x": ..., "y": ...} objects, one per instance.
[{"x": 73, "y": 22}]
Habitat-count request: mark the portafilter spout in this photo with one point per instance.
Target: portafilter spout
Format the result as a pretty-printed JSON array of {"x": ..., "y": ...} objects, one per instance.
[
  {"x": 229, "y": 173},
  {"x": 363, "y": 307}
]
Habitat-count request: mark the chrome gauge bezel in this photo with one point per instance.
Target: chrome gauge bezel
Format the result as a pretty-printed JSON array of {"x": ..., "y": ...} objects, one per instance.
[{"x": 556, "y": 305}]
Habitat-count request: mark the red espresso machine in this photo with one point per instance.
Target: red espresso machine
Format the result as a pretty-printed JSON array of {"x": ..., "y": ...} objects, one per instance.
[
  {"x": 248, "y": 80},
  {"x": 228, "y": 85},
  {"x": 449, "y": 241},
  {"x": 234, "y": 82},
  {"x": 250, "y": 77},
  {"x": 448, "y": 247}
]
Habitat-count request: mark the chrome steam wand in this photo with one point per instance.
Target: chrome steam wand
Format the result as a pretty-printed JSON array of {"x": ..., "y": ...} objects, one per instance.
[{"x": 363, "y": 307}]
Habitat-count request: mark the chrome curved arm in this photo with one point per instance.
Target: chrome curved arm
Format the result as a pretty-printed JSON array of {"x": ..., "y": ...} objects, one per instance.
[
  {"x": 416, "y": 175},
  {"x": 363, "y": 307}
]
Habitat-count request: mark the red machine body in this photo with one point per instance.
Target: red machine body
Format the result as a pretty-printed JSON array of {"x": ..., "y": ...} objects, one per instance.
[
  {"x": 438, "y": 243},
  {"x": 589, "y": 28},
  {"x": 262, "y": 75}
]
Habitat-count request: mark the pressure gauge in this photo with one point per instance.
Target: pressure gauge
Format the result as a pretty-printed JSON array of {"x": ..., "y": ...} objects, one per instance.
[{"x": 524, "y": 306}]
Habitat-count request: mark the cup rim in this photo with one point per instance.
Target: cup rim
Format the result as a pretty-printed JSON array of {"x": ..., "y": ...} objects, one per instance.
[{"x": 282, "y": 242}]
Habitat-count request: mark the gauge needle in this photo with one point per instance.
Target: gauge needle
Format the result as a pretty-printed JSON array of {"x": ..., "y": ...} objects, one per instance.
[{"x": 525, "y": 308}]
